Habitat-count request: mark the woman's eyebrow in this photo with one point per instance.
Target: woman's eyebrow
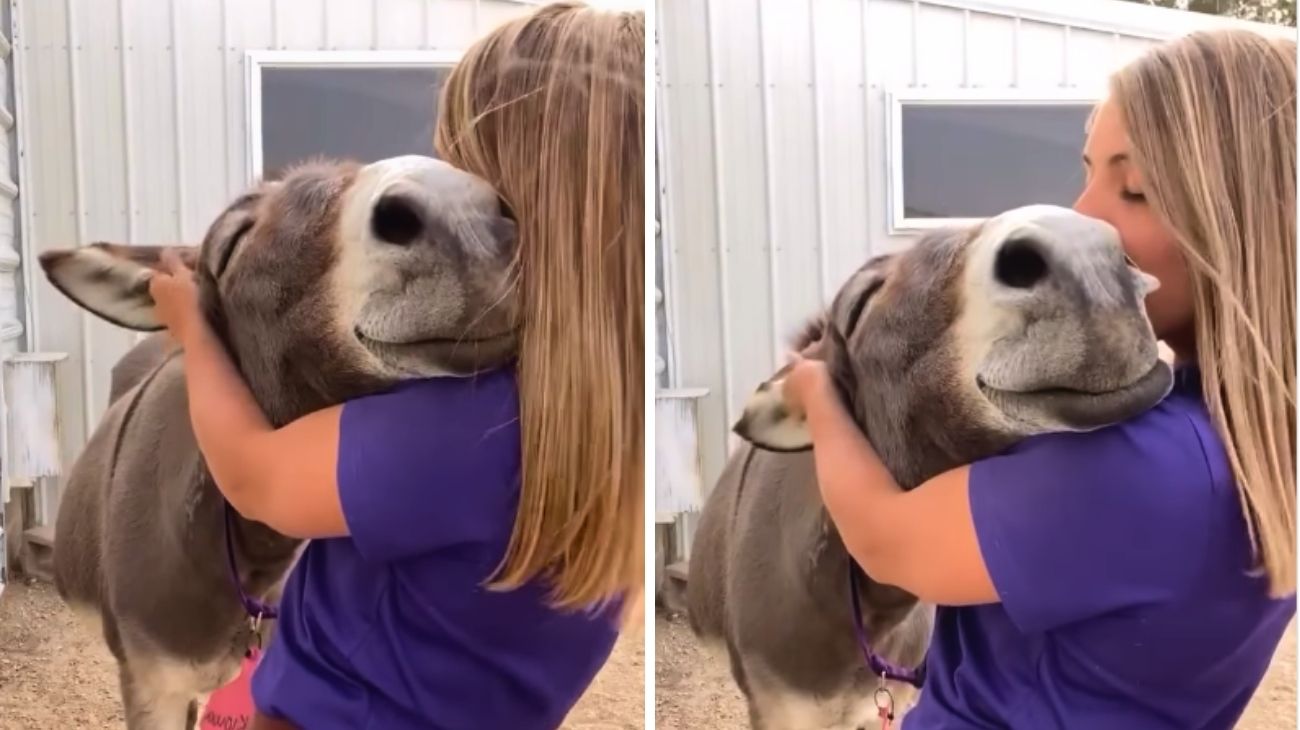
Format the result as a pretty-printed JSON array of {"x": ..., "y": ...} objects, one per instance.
[{"x": 1115, "y": 159}]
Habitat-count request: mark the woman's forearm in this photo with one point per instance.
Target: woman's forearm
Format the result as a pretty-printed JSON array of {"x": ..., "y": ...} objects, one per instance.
[
  {"x": 859, "y": 492},
  {"x": 226, "y": 418}
]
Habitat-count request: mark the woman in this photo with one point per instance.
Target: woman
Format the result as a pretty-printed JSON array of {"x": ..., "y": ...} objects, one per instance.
[
  {"x": 1142, "y": 575},
  {"x": 489, "y": 600}
]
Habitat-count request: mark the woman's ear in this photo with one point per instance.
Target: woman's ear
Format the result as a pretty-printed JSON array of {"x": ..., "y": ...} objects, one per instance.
[{"x": 111, "y": 280}]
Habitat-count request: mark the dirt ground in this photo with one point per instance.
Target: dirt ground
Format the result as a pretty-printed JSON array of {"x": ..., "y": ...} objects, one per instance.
[
  {"x": 54, "y": 674},
  {"x": 693, "y": 688}
]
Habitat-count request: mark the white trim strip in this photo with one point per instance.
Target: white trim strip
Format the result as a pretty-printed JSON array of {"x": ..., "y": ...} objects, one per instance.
[
  {"x": 819, "y": 163},
  {"x": 667, "y": 235},
  {"x": 31, "y": 313},
  {"x": 128, "y": 141},
  {"x": 769, "y": 184},
  {"x": 178, "y": 116},
  {"x": 868, "y": 162},
  {"x": 79, "y": 214},
  {"x": 1113, "y": 16},
  {"x": 720, "y": 228},
  {"x": 225, "y": 95},
  {"x": 365, "y": 58}
]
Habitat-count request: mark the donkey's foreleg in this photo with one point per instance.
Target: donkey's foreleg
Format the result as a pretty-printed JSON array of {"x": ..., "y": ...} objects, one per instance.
[{"x": 152, "y": 702}]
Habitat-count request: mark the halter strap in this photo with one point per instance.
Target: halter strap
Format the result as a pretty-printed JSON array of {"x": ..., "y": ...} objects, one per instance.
[
  {"x": 257, "y": 610},
  {"x": 878, "y": 665}
]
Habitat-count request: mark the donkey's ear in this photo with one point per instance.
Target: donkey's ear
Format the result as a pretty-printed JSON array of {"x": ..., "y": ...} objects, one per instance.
[
  {"x": 112, "y": 280},
  {"x": 769, "y": 424}
]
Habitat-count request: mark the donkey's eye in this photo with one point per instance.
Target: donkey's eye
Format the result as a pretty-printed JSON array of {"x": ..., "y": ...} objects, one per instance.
[
  {"x": 235, "y": 240},
  {"x": 861, "y": 304}
]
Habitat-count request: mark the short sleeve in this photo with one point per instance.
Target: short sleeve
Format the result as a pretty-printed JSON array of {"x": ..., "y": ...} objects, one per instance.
[
  {"x": 1073, "y": 526},
  {"x": 430, "y": 464}
]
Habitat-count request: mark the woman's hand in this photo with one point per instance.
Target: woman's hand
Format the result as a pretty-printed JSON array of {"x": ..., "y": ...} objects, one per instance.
[
  {"x": 176, "y": 297},
  {"x": 806, "y": 384}
]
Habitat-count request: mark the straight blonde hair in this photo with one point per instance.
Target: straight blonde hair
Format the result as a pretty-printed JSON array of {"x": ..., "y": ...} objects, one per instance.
[
  {"x": 549, "y": 109},
  {"x": 1211, "y": 118}
]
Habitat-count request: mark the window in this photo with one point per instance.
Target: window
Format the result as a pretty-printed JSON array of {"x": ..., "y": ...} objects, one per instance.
[
  {"x": 961, "y": 157},
  {"x": 360, "y": 105}
]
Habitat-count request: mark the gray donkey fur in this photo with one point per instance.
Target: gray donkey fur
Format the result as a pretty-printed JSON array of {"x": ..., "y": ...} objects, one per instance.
[
  {"x": 950, "y": 351},
  {"x": 336, "y": 281}
]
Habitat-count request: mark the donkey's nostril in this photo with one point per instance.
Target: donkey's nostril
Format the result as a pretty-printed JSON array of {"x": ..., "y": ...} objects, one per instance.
[
  {"x": 396, "y": 220},
  {"x": 1020, "y": 264}
]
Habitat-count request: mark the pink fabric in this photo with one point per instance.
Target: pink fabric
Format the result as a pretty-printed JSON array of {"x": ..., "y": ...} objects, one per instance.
[{"x": 231, "y": 707}]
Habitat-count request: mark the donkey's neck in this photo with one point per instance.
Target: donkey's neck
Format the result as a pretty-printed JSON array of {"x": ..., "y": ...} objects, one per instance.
[{"x": 918, "y": 436}]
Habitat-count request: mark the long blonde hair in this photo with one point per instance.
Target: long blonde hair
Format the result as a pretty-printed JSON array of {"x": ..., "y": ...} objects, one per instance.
[
  {"x": 549, "y": 109},
  {"x": 1212, "y": 122}
]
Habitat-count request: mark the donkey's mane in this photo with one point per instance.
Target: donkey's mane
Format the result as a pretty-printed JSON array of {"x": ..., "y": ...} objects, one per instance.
[{"x": 811, "y": 332}]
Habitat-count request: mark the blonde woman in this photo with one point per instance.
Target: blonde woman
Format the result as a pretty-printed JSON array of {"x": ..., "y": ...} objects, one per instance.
[
  {"x": 1142, "y": 575},
  {"x": 489, "y": 529}
]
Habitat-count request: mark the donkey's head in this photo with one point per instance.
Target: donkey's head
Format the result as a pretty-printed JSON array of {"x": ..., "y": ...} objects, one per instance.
[
  {"x": 973, "y": 338},
  {"x": 334, "y": 280}
]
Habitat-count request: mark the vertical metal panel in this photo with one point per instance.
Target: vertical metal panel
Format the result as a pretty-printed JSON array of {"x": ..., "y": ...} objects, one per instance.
[
  {"x": 451, "y": 23},
  {"x": 690, "y": 229},
  {"x": 991, "y": 58},
  {"x": 134, "y": 129},
  {"x": 351, "y": 25},
  {"x": 49, "y": 206},
  {"x": 819, "y": 163},
  {"x": 202, "y": 101},
  {"x": 79, "y": 196},
  {"x": 11, "y": 328},
  {"x": 250, "y": 26},
  {"x": 401, "y": 24},
  {"x": 300, "y": 24},
  {"x": 792, "y": 169},
  {"x": 743, "y": 262},
  {"x": 491, "y": 13},
  {"x": 1042, "y": 51},
  {"x": 843, "y": 169},
  {"x": 938, "y": 39},
  {"x": 769, "y": 188},
  {"x": 1091, "y": 58},
  {"x": 720, "y": 242}
]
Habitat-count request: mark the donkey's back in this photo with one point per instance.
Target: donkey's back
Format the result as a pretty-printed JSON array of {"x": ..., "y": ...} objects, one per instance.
[{"x": 78, "y": 572}]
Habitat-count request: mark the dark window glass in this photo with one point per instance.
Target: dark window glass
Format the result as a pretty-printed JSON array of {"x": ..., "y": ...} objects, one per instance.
[
  {"x": 973, "y": 161},
  {"x": 365, "y": 114}
]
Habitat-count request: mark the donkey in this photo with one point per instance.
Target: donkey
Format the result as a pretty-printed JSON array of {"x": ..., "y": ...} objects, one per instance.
[
  {"x": 336, "y": 281},
  {"x": 949, "y": 351}
]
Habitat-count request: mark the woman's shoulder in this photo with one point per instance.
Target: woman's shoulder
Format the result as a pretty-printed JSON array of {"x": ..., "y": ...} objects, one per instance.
[
  {"x": 488, "y": 398},
  {"x": 468, "y": 423},
  {"x": 1174, "y": 442}
]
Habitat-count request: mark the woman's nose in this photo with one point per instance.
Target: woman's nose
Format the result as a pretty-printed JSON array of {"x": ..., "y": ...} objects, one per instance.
[{"x": 1086, "y": 203}]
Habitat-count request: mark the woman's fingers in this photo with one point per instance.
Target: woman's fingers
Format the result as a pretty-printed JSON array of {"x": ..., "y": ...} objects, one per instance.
[{"x": 171, "y": 263}]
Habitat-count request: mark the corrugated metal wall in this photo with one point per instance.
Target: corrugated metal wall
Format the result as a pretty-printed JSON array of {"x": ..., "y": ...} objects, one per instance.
[
  {"x": 11, "y": 328},
  {"x": 773, "y": 124},
  {"x": 132, "y": 119}
]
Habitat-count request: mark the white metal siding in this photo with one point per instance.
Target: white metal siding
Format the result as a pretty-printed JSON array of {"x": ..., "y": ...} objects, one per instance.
[
  {"x": 133, "y": 128},
  {"x": 774, "y": 157},
  {"x": 11, "y": 328}
]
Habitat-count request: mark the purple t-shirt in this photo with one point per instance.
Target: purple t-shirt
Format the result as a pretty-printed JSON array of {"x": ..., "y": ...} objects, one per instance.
[
  {"x": 1121, "y": 559},
  {"x": 391, "y": 628}
]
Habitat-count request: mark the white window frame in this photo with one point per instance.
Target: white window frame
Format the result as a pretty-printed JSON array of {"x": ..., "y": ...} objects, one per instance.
[
  {"x": 256, "y": 61},
  {"x": 899, "y": 223}
]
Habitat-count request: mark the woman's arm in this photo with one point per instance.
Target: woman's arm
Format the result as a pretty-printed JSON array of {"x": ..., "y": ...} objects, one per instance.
[
  {"x": 285, "y": 478},
  {"x": 923, "y": 540}
]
